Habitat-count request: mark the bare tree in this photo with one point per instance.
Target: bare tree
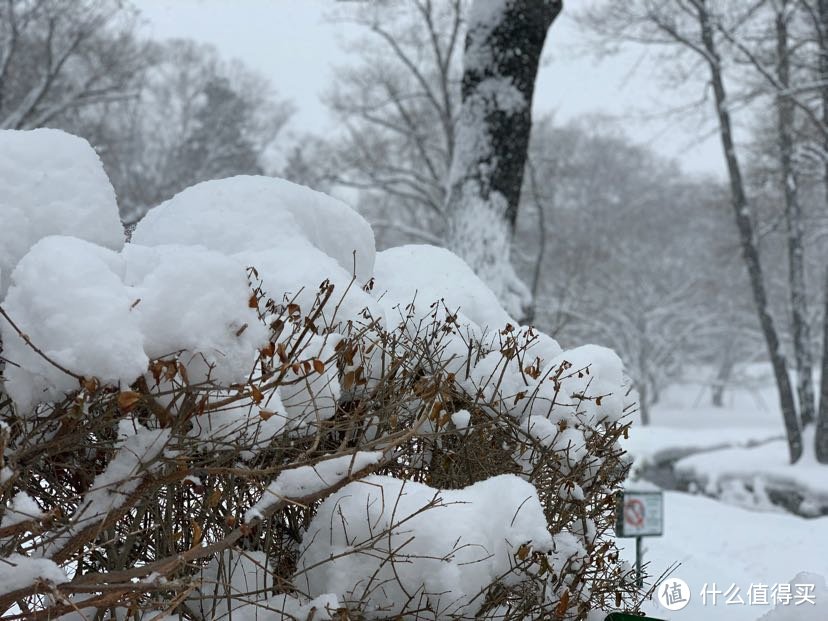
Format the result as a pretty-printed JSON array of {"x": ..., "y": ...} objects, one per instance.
[
  {"x": 640, "y": 255},
  {"x": 57, "y": 56},
  {"x": 195, "y": 118},
  {"x": 771, "y": 26},
  {"x": 696, "y": 26},
  {"x": 398, "y": 108},
  {"x": 799, "y": 88},
  {"x": 793, "y": 217},
  {"x": 504, "y": 41}
]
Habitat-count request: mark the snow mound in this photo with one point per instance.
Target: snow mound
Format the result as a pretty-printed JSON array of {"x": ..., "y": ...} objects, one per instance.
[
  {"x": 425, "y": 274},
  {"x": 447, "y": 545},
  {"x": 587, "y": 379},
  {"x": 193, "y": 299},
  {"x": 292, "y": 272},
  {"x": 52, "y": 183},
  {"x": 308, "y": 480},
  {"x": 18, "y": 571},
  {"x": 253, "y": 213},
  {"x": 231, "y": 581},
  {"x": 244, "y": 426},
  {"x": 104, "y": 314},
  {"x": 68, "y": 296}
]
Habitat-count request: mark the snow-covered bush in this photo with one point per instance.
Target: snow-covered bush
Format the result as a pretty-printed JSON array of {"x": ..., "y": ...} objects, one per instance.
[{"x": 246, "y": 412}]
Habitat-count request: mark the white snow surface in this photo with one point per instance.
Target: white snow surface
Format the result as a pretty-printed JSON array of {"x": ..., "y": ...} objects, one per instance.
[
  {"x": 22, "y": 508},
  {"x": 729, "y": 541},
  {"x": 719, "y": 544},
  {"x": 425, "y": 274},
  {"x": 303, "y": 481},
  {"x": 590, "y": 373},
  {"x": 231, "y": 581},
  {"x": 292, "y": 272},
  {"x": 51, "y": 183},
  {"x": 461, "y": 419},
  {"x": 445, "y": 554},
  {"x": 68, "y": 296},
  {"x": 194, "y": 299},
  {"x": 236, "y": 585},
  {"x": 800, "y": 608},
  {"x": 254, "y": 213},
  {"x": 104, "y": 314},
  {"x": 183, "y": 287},
  {"x": 243, "y": 425},
  {"x": 483, "y": 17},
  {"x": 17, "y": 572}
]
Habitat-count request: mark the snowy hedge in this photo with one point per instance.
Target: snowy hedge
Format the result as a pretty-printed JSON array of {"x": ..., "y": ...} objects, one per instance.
[{"x": 247, "y": 411}]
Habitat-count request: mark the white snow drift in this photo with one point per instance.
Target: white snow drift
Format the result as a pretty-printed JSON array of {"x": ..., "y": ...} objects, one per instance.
[
  {"x": 444, "y": 547},
  {"x": 51, "y": 183}
]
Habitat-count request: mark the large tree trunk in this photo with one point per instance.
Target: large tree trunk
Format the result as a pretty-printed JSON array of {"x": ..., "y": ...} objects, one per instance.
[
  {"x": 747, "y": 235},
  {"x": 503, "y": 47},
  {"x": 793, "y": 216}
]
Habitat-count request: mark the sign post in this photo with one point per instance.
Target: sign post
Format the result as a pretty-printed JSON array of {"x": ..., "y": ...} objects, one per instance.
[{"x": 639, "y": 514}]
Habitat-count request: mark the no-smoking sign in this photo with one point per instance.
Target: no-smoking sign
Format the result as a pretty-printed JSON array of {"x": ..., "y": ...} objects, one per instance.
[
  {"x": 639, "y": 514},
  {"x": 634, "y": 512}
]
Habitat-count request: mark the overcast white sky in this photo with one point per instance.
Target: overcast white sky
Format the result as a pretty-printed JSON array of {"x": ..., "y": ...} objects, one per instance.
[{"x": 291, "y": 43}]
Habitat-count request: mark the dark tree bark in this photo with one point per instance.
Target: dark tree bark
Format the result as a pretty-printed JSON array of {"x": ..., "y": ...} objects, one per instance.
[
  {"x": 793, "y": 216},
  {"x": 723, "y": 374},
  {"x": 503, "y": 48},
  {"x": 821, "y": 441},
  {"x": 747, "y": 233}
]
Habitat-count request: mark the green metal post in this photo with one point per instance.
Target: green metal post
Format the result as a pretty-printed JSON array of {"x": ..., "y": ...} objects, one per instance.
[{"x": 639, "y": 579}]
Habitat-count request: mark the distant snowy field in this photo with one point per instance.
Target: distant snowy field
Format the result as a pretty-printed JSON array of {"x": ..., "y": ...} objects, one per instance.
[
  {"x": 726, "y": 545},
  {"x": 718, "y": 543}
]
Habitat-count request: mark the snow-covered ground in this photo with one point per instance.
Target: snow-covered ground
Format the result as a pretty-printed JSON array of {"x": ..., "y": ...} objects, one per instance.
[
  {"x": 684, "y": 421},
  {"x": 717, "y": 543}
]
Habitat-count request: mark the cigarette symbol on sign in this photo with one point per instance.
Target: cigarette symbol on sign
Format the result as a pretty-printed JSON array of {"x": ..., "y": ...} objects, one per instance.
[{"x": 634, "y": 512}]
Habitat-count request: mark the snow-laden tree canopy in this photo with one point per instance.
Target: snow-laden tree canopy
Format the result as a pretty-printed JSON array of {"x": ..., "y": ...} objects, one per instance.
[{"x": 247, "y": 355}]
